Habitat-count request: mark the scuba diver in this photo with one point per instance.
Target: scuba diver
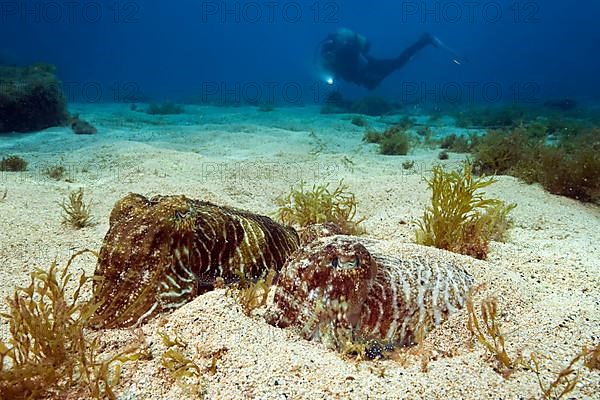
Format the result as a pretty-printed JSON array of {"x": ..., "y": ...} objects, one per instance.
[{"x": 344, "y": 54}]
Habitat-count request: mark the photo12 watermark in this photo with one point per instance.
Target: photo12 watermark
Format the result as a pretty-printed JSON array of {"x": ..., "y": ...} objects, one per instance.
[
  {"x": 270, "y": 12},
  {"x": 470, "y": 92},
  {"x": 264, "y": 171},
  {"x": 65, "y": 172},
  {"x": 295, "y": 93},
  {"x": 98, "y": 92},
  {"x": 69, "y": 12},
  {"x": 470, "y": 12}
]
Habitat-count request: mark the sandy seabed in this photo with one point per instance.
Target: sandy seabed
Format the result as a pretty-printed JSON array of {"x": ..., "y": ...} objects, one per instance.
[{"x": 546, "y": 277}]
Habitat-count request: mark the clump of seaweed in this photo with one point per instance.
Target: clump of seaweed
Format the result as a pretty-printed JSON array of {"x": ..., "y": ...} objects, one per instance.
[
  {"x": 165, "y": 109},
  {"x": 76, "y": 212},
  {"x": 359, "y": 120},
  {"x": 567, "y": 378},
  {"x": 498, "y": 221},
  {"x": 372, "y": 105},
  {"x": 449, "y": 140},
  {"x": 178, "y": 365},
  {"x": 408, "y": 164},
  {"x": 394, "y": 141},
  {"x": 592, "y": 358},
  {"x": 566, "y": 127},
  {"x": 537, "y": 130},
  {"x": 487, "y": 330},
  {"x": 175, "y": 361},
  {"x": 571, "y": 168},
  {"x": 47, "y": 351},
  {"x": 398, "y": 128},
  {"x": 372, "y": 136},
  {"x": 460, "y": 219},
  {"x": 424, "y": 131},
  {"x": 56, "y": 172},
  {"x": 395, "y": 144},
  {"x": 459, "y": 143},
  {"x": 492, "y": 117},
  {"x": 405, "y": 123},
  {"x": 13, "y": 164},
  {"x": 253, "y": 294},
  {"x": 266, "y": 107},
  {"x": 427, "y": 137},
  {"x": 181, "y": 367},
  {"x": 335, "y": 103},
  {"x": 499, "y": 152},
  {"x": 443, "y": 155},
  {"x": 320, "y": 205}
]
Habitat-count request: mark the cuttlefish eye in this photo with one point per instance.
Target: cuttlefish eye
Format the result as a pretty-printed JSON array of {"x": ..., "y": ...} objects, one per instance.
[
  {"x": 180, "y": 214},
  {"x": 347, "y": 263},
  {"x": 335, "y": 263}
]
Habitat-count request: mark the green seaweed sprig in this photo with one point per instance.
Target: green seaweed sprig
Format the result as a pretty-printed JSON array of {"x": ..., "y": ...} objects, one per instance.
[
  {"x": 76, "y": 212},
  {"x": 320, "y": 205},
  {"x": 47, "y": 351},
  {"x": 486, "y": 328},
  {"x": 461, "y": 219}
]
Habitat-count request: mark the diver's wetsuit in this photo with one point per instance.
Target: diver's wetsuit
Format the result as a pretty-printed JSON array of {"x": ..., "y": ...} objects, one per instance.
[{"x": 344, "y": 54}]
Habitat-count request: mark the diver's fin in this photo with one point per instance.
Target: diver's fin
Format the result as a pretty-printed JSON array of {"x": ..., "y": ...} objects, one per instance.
[{"x": 436, "y": 42}]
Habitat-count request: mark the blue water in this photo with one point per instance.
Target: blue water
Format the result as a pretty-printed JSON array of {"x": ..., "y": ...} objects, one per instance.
[{"x": 259, "y": 50}]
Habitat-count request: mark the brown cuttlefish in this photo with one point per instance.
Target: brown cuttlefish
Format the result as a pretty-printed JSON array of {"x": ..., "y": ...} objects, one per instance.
[
  {"x": 343, "y": 287},
  {"x": 160, "y": 253}
]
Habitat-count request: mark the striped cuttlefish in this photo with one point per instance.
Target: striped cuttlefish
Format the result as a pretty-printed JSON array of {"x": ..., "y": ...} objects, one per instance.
[
  {"x": 160, "y": 253},
  {"x": 344, "y": 287}
]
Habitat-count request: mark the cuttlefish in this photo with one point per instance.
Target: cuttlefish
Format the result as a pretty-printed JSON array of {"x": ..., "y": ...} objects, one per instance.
[
  {"x": 160, "y": 253},
  {"x": 342, "y": 287}
]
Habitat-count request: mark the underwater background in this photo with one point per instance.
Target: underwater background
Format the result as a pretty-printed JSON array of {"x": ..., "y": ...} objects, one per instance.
[
  {"x": 104, "y": 50},
  {"x": 227, "y": 215}
]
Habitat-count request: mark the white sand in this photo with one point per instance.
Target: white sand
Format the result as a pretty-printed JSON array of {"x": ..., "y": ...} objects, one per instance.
[{"x": 546, "y": 277}]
